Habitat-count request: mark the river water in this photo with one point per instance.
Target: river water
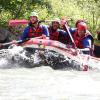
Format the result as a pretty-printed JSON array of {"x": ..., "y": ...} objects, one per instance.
[{"x": 45, "y": 83}]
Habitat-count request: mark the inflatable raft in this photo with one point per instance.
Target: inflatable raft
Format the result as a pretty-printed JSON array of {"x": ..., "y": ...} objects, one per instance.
[{"x": 86, "y": 61}]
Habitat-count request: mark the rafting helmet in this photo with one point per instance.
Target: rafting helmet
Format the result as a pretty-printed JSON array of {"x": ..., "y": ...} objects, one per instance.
[
  {"x": 56, "y": 20},
  {"x": 82, "y": 26},
  {"x": 79, "y": 21},
  {"x": 34, "y": 14}
]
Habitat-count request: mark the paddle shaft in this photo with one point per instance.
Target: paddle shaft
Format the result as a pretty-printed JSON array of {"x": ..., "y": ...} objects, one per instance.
[
  {"x": 70, "y": 36},
  {"x": 50, "y": 20},
  {"x": 18, "y": 42},
  {"x": 13, "y": 42}
]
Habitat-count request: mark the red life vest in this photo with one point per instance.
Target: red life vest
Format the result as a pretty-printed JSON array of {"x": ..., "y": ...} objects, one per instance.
[
  {"x": 58, "y": 36},
  {"x": 78, "y": 39},
  {"x": 54, "y": 35},
  {"x": 35, "y": 32}
]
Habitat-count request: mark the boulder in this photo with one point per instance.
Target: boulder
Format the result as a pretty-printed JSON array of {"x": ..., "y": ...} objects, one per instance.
[{"x": 4, "y": 35}]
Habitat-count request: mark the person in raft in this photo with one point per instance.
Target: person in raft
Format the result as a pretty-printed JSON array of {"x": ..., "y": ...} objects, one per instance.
[
  {"x": 83, "y": 38},
  {"x": 56, "y": 33},
  {"x": 34, "y": 29}
]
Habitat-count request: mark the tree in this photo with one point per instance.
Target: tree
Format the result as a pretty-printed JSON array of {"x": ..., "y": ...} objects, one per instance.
[{"x": 18, "y": 7}]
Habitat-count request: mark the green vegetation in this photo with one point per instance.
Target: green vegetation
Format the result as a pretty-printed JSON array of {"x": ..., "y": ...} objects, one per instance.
[{"x": 48, "y": 9}]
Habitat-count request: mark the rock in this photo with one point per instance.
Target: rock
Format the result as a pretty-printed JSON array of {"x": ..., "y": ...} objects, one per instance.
[{"x": 4, "y": 35}]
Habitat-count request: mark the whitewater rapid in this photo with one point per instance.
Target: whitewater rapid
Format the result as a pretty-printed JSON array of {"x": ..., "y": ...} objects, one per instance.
[{"x": 44, "y": 83}]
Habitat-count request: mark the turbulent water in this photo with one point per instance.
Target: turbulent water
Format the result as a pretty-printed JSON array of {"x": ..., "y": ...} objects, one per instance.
[{"x": 20, "y": 80}]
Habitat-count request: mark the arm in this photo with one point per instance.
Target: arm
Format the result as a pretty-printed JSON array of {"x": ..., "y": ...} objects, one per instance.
[
  {"x": 87, "y": 44},
  {"x": 45, "y": 31},
  {"x": 25, "y": 33}
]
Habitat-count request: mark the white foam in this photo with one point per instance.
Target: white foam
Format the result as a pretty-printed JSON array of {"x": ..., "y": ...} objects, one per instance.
[{"x": 15, "y": 50}]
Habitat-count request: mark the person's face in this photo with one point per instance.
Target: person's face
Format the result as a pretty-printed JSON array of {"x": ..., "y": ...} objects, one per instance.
[
  {"x": 81, "y": 33},
  {"x": 63, "y": 22},
  {"x": 55, "y": 25},
  {"x": 33, "y": 19}
]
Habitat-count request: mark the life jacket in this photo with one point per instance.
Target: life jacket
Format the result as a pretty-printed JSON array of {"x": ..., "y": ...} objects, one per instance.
[
  {"x": 63, "y": 28},
  {"x": 78, "y": 40},
  {"x": 35, "y": 32},
  {"x": 54, "y": 34}
]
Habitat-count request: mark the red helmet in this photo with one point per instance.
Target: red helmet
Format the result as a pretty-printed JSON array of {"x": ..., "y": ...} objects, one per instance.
[
  {"x": 79, "y": 21},
  {"x": 82, "y": 26}
]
